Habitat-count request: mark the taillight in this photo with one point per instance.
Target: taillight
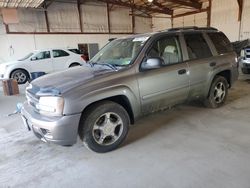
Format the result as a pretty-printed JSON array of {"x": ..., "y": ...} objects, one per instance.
[{"x": 82, "y": 56}]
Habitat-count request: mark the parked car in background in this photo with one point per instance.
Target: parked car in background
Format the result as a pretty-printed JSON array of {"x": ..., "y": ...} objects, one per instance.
[
  {"x": 48, "y": 60},
  {"x": 245, "y": 60},
  {"x": 75, "y": 50},
  {"x": 130, "y": 78},
  {"x": 84, "y": 55}
]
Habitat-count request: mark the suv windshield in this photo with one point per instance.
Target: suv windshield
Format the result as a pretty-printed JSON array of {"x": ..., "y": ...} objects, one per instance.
[
  {"x": 26, "y": 57},
  {"x": 120, "y": 52}
]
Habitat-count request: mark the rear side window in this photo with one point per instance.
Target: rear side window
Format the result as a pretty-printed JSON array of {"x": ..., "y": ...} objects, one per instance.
[
  {"x": 197, "y": 46},
  {"x": 59, "y": 53},
  {"x": 221, "y": 42}
]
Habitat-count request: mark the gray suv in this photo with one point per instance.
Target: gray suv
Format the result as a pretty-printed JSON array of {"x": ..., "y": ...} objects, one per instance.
[{"x": 129, "y": 78}]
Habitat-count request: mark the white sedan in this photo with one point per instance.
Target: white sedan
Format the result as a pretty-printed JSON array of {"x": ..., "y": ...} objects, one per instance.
[{"x": 49, "y": 60}]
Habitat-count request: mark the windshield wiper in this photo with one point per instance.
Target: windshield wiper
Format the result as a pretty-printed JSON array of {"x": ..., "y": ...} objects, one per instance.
[{"x": 106, "y": 64}]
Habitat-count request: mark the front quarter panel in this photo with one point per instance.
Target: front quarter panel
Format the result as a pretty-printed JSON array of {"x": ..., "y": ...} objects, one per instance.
[{"x": 124, "y": 84}]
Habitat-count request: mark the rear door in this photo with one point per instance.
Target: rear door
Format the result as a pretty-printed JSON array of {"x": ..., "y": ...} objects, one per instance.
[
  {"x": 200, "y": 62},
  {"x": 167, "y": 85},
  {"x": 60, "y": 59},
  {"x": 41, "y": 62}
]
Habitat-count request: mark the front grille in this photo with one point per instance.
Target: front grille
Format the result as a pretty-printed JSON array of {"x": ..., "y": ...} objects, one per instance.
[
  {"x": 32, "y": 99},
  {"x": 246, "y": 65}
]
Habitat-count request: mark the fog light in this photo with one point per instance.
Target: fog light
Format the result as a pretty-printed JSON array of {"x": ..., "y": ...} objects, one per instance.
[{"x": 47, "y": 133}]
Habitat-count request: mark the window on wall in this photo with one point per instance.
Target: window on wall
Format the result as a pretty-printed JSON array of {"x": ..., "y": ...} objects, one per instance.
[
  {"x": 221, "y": 43},
  {"x": 59, "y": 53},
  {"x": 168, "y": 49},
  {"x": 197, "y": 47}
]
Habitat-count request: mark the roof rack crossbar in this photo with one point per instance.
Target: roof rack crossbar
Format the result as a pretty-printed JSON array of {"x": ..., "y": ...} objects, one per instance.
[{"x": 192, "y": 28}]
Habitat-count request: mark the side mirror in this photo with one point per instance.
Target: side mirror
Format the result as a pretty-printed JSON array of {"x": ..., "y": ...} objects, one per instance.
[
  {"x": 33, "y": 58},
  {"x": 151, "y": 63}
]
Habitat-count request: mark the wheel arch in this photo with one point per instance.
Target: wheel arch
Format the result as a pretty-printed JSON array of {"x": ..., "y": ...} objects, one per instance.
[
  {"x": 27, "y": 72},
  {"x": 74, "y": 63},
  {"x": 119, "y": 99},
  {"x": 225, "y": 73}
]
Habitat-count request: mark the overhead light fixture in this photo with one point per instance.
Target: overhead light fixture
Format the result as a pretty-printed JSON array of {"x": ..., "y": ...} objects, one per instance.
[{"x": 150, "y": 1}]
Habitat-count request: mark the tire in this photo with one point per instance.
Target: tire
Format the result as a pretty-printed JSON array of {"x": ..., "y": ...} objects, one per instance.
[
  {"x": 20, "y": 75},
  {"x": 218, "y": 92},
  {"x": 74, "y": 65},
  {"x": 104, "y": 126}
]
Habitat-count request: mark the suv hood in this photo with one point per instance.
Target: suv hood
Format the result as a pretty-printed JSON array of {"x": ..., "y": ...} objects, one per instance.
[{"x": 61, "y": 82}]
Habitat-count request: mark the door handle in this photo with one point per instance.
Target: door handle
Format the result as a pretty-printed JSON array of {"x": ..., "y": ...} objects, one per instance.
[
  {"x": 182, "y": 71},
  {"x": 212, "y": 64}
]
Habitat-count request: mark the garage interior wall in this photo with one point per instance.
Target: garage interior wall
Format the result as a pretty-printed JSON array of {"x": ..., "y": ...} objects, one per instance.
[
  {"x": 161, "y": 22},
  {"x": 245, "y": 23},
  {"x": 224, "y": 16},
  {"x": 64, "y": 17}
]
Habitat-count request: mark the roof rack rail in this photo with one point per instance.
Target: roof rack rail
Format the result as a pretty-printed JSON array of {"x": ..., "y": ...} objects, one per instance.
[{"x": 192, "y": 28}]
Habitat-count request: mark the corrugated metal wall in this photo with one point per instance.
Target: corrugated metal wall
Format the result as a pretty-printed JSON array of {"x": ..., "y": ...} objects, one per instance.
[
  {"x": 225, "y": 17},
  {"x": 245, "y": 24},
  {"x": 199, "y": 20},
  {"x": 161, "y": 23}
]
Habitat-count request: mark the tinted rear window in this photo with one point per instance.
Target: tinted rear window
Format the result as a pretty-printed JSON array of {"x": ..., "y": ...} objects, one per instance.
[
  {"x": 221, "y": 42},
  {"x": 197, "y": 47}
]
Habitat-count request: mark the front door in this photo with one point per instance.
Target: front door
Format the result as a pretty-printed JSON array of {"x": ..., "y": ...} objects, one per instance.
[
  {"x": 41, "y": 62},
  {"x": 168, "y": 85}
]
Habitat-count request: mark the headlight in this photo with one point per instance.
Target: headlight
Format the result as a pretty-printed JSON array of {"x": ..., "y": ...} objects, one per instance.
[
  {"x": 52, "y": 106},
  {"x": 2, "y": 68}
]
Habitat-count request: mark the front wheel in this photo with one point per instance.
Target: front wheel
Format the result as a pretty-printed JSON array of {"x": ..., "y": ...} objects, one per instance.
[
  {"x": 104, "y": 126},
  {"x": 217, "y": 93},
  {"x": 20, "y": 76}
]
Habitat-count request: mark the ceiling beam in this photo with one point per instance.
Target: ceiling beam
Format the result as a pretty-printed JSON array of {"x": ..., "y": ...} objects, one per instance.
[
  {"x": 240, "y": 3},
  {"x": 138, "y": 7},
  {"x": 159, "y": 5},
  {"x": 191, "y": 3}
]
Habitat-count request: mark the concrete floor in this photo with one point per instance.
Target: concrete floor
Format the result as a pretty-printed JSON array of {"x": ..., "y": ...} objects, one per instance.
[{"x": 186, "y": 147}]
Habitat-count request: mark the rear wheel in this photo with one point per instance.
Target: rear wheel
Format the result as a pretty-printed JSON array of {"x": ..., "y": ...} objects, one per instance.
[
  {"x": 21, "y": 76},
  {"x": 217, "y": 93},
  {"x": 104, "y": 127}
]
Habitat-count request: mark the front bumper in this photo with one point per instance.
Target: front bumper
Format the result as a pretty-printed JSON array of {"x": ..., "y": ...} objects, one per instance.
[
  {"x": 246, "y": 65},
  {"x": 59, "y": 130}
]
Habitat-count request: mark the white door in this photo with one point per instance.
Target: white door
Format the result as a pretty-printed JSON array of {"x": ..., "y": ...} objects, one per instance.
[
  {"x": 41, "y": 62},
  {"x": 60, "y": 59}
]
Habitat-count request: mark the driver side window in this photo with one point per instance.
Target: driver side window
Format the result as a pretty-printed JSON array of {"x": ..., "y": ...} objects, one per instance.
[
  {"x": 41, "y": 56},
  {"x": 168, "y": 49}
]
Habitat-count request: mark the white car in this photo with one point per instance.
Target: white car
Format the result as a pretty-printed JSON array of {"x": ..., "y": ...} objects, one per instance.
[
  {"x": 49, "y": 60},
  {"x": 245, "y": 60}
]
